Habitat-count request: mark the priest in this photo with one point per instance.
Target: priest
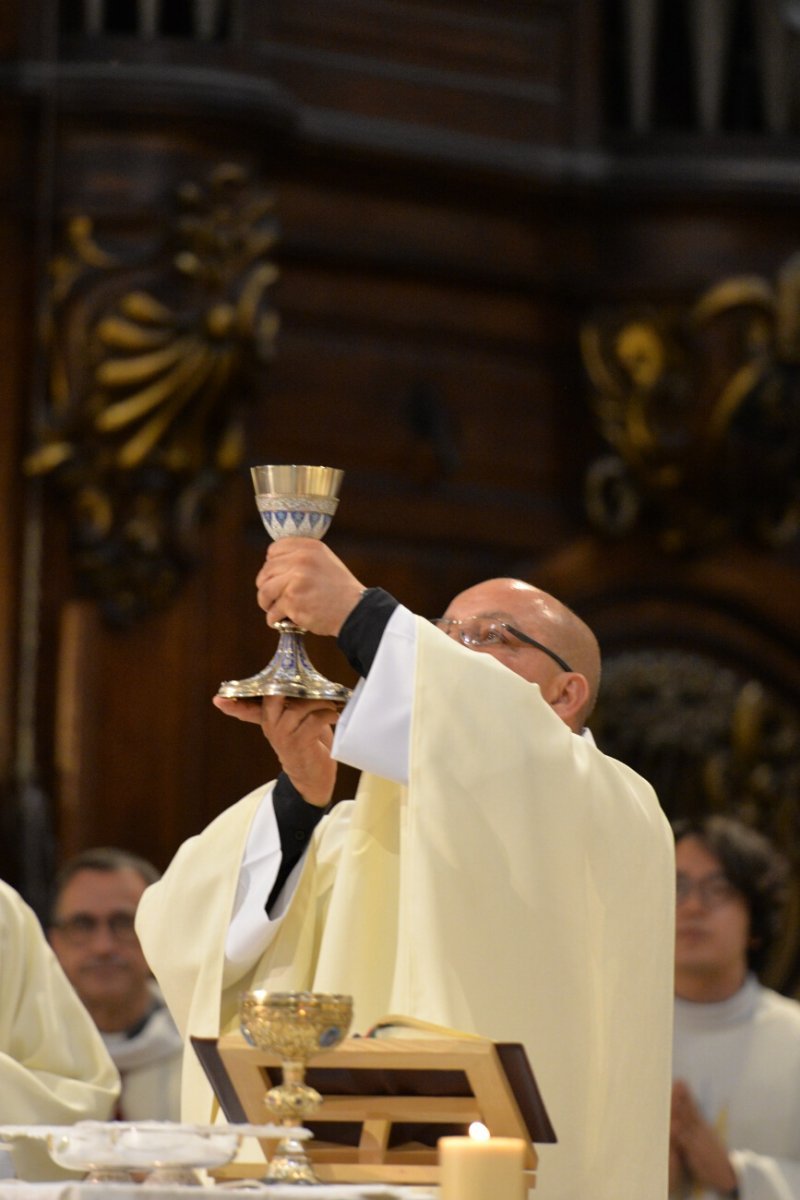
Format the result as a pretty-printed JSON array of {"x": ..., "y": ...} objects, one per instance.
[{"x": 496, "y": 873}]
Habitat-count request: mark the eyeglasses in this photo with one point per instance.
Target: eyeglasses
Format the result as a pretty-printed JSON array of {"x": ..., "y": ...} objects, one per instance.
[
  {"x": 712, "y": 892},
  {"x": 83, "y": 926},
  {"x": 481, "y": 632}
]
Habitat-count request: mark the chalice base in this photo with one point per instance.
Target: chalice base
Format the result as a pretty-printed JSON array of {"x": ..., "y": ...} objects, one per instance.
[
  {"x": 289, "y": 1164},
  {"x": 107, "y": 1174},
  {"x": 289, "y": 673},
  {"x": 168, "y": 1175}
]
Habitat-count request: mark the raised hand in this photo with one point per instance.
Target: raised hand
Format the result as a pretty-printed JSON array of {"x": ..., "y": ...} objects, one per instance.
[{"x": 304, "y": 581}]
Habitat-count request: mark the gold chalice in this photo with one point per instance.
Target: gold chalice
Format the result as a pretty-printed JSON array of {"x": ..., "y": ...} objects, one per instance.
[
  {"x": 295, "y": 1026},
  {"x": 293, "y": 502}
]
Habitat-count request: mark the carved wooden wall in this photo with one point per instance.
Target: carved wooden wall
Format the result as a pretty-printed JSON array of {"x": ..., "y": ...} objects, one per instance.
[{"x": 488, "y": 309}]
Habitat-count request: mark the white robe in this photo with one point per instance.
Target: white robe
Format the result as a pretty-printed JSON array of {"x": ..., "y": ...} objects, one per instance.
[
  {"x": 741, "y": 1059},
  {"x": 54, "y": 1068},
  {"x": 149, "y": 1064},
  {"x": 521, "y": 887}
]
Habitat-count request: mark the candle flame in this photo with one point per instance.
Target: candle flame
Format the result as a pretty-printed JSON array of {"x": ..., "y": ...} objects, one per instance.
[{"x": 479, "y": 1132}]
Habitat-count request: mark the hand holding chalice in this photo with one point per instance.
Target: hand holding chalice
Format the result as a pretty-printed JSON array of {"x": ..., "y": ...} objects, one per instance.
[{"x": 294, "y": 501}]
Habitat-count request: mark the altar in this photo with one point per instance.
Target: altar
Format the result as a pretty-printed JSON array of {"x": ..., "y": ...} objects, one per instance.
[
  {"x": 454, "y": 1118},
  {"x": 77, "y": 1190}
]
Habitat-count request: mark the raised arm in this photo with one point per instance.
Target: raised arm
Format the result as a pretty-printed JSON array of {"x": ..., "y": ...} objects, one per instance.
[
  {"x": 303, "y": 580},
  {"x": 301, "y": 734}
]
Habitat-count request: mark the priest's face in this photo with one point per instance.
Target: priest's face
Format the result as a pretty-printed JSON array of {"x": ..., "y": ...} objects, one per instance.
[
  {"x": 535, "y": 636},
  {"x": 712, "y": 926},
  {"x": 93, "y": 937},
  {"x": 511, "y": 603}
]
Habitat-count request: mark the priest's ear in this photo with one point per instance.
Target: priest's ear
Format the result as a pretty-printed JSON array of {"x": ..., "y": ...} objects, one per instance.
[{"x": 570, "y": 698}]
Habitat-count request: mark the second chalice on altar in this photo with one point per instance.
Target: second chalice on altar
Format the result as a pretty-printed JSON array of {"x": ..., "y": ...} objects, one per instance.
[
  {"x": 294, "y": 501},
  {"x": 295, "y": 1026}
]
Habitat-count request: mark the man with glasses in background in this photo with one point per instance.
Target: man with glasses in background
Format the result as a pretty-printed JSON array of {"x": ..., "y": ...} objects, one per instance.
[
  {"x": 736, "y": 1096},
  {"x": 92, "y": 933},
  {"x": 496, "y": 874}
]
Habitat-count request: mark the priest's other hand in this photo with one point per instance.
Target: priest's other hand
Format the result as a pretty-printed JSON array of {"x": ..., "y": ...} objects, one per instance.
[
  {"x": 301, "y": 734},
  {"x": 303, "y": 581},
  {"x": 704, "y": 1154}
]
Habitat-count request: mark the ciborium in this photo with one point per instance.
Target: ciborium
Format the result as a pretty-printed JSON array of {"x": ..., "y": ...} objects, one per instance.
[
  {"x": 295, "y": 1026},
  {"x": 294, "y": 502}
]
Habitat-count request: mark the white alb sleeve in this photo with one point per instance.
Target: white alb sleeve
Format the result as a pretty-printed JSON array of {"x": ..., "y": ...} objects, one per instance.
[
  {"x": 762, "y": 1177},
  {"x": 374, "y": 730},
  {"x": 251, "y": 929}
]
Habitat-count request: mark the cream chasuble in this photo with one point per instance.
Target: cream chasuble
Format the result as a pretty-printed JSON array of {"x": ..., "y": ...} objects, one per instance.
[
  {"x": 521, "y": 887},
  {"x": 54, "y": 1068}
]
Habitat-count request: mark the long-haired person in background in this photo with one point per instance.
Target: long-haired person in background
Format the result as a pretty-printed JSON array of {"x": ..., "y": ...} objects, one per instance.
[{"x": 736, "y": 1095}]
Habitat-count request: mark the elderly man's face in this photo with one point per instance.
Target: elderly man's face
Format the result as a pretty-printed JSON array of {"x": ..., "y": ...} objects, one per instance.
[{"x": 94, "y": 939}]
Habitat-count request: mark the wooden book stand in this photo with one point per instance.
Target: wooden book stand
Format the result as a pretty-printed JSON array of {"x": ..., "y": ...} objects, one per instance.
[{"x": 386, "y": 1101}]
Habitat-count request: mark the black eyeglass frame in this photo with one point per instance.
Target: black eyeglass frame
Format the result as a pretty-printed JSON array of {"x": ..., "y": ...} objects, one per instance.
[
  {"x": 81, "y": 927},
  {"x": 517, "y": 633},
  {"x": 714, "y": 890}
]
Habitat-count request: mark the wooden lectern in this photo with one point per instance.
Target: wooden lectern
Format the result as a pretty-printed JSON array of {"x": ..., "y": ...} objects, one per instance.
[{"x": 386, "y": 1101}]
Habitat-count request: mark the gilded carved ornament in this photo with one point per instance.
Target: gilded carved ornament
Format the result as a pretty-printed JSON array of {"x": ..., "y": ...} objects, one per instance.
[
  {"x": 701, "y": 410},
  {"x": 149, "y": 355}
]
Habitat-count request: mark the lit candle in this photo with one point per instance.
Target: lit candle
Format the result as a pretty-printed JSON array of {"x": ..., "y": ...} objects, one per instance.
[{"x": 480, "y": 1167}]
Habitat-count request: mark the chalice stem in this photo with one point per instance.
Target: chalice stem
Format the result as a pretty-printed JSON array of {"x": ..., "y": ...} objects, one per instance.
[
  {"x": 293, "y": 1072},
  {"x": 291, "y": 1102}
]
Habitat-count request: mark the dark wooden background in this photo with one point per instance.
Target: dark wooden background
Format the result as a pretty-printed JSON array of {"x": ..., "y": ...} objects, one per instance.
[{"x": 460, "y": 188}]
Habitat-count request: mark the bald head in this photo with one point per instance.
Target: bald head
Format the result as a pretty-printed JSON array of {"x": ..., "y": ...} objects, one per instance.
[{"x": 541, "y": 616}]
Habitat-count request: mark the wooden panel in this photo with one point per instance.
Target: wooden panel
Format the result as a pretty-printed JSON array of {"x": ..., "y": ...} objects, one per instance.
[
  {"x": 410, "y": 224},
  {"x": 16, "y": 381},
  {"x": 455, "y": 80},
  {"x": 519, "y": 41},
  {"x": 481, "y": 472},
  {"x": 11, "y": 497},
  {"x": 733, "y": 602},
  {"x": 471, "y": 68},
  {"x": 9, "y": 27}
]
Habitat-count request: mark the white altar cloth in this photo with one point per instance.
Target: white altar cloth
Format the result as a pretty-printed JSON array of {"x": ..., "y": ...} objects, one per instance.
[{"x": 11, "y": 1189}]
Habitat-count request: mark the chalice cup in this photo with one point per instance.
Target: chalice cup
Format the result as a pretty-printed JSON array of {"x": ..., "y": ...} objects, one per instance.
[
  {"x": 294, "y": 502},
  {"x": 295, "y": 1026}
]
